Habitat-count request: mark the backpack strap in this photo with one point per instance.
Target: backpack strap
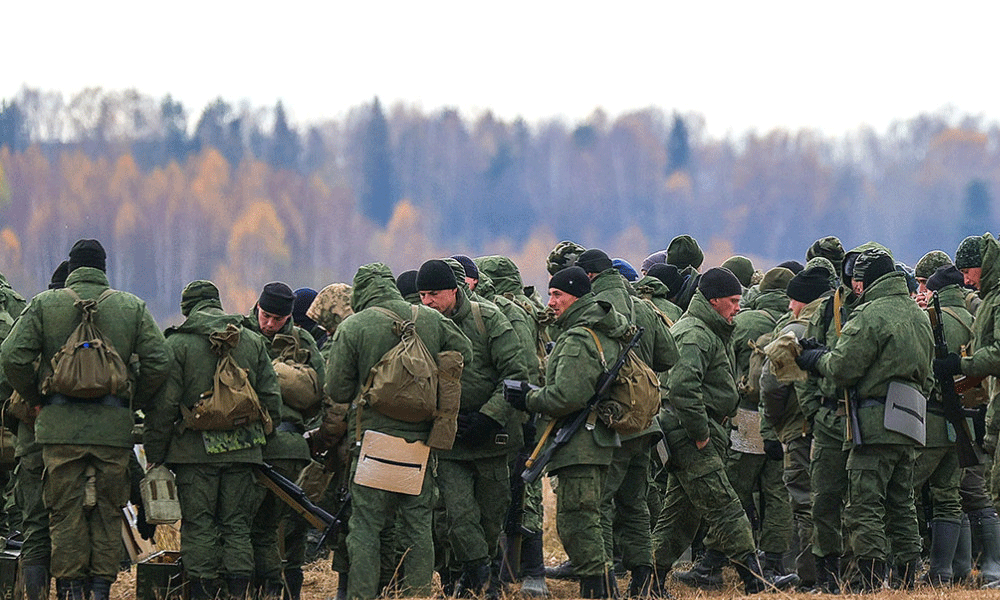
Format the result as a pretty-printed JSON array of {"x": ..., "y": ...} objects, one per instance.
[
  {"x": 477, "y": 313},
  {"x": 663, "y": 316},
  {"x": 951, "y": 311},
  {"x": 600, "y": 349},
  {"x": 838, "y": 303}
]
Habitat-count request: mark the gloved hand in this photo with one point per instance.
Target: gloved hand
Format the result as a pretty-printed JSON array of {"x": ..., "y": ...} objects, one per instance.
[
  {"x": 476, "y": 429},
  {"x": 146, "y": 530},
  {"x": 808, "y": 359},
  {"x": 949, "y": 366},
  {"x": 774, "y": 450},
  {"x": 516, "y": 393},
  {"x": 810, "y": 344}
]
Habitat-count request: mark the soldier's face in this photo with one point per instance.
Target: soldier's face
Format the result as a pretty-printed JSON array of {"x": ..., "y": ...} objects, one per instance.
[
  {"x": 270, "y": 323},
  {"x": 727, "y": 307},
  {"x": 559, "y": 301},
  {"x": 972, "y": 275},
  {"x": 442, "y": 301},
  {"x": 795, "y": 306}
]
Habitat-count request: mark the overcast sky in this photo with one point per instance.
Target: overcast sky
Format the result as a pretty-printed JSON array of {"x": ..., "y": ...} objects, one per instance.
[{"x": 830, "y": 66}]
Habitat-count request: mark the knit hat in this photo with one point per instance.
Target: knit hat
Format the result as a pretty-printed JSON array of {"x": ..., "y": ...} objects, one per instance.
[
  {"x": 656, "y": 258},
  {"x": 572, "y": 280},
  {"x": 407, "y": 283},
  {"x": 594, "y": 261},
  {"x": 741, "y": 267},
  {"x": 563, "y": 255},
  {"x": 944, "y": 276},
  {"x": 872, "y": 264},
  {"x": 303, "y": 300},
  {"x": 792, "y": 265},
  {"x": 776, "y": 279},
  {"x": 87, "y": 253},
  {"x": 58, "y": 280},
  {"x": 199, "y": 291},
  {"x": 625, "y": 269},
  {"x": 930, "y": 263},
  {"x": 829, "y": 248},
  {"x": 719, "y": 282},
  {"x": 471, "y": 270},
  {"x": 434, "y": 275},
  {"x": 809, "y": 284},
  {"x": 683, "y": 252},
  {"x": 669, "y": 275},
  {"x": 970, "y": 253},
  {"x": 277, "y": 299}
]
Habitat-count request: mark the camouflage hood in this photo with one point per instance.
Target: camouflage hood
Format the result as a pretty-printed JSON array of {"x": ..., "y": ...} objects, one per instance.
[
  {"x": 331, "y": 306},
  {"x": 599, "y": 315},
  {"x": 373, "y": 282},
  {"x": 990, "y": 278},
  {"x": 204, "y": 319},
  {"x": 503, "y": 272},
  {"x": 651, "y": 287},
  {"x": 773, "y": 301}
]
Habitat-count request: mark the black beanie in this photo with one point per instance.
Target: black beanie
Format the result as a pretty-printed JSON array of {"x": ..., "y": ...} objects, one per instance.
[
  {"x": 792, "y": 265},
  {"x": 594, "y": 261},
  {"x": 58, "y": 280},
  {"x": 572, "y": 280},
  {"x": 471, "y": 270},
  {"x": 277, "y": 299},
  {"x": 809, "y": 285},
  {"x": 407, "y": 283},
  {"x": 944, "y": 276},
  {"x": 303, "y": 300},
  {"x": 87, "y": 253},
  {"x": 434, "y": 275},
  {"x": 719, "y": 282},
  {"x": 871, "y": 265},
  {"x": 669, "y": 275}
]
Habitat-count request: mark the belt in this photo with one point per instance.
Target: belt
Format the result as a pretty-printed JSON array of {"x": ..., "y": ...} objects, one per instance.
[
  {"x": 290, "y": 427},
  {"x": 107, "y": 400},
  {"x": 869, "y": 402}
]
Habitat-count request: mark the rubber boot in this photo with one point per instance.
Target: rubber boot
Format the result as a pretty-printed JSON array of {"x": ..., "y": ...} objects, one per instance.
[
  {"x": 70, "y": 589},
  {"x": 774, "y": 572},
  {"x": 597, "y": 586},
  {"x": 342, "y": 586},
  {"x": 904, "y": 575},
  {"x": 658, "y": 586},
  {"x": 474, "y": 580},
  {"x": 642, "y": 577},
  {"x": 563, "y": 570},
  {"x": 828, "y": 574},
  {"x": 36, "y": 582},
  {"x": 238, "y": 588},
  {"x": 944, "y": 543},
  {"x": 706, "y": 574},
  {"x": 293, "y": 584},
  {"x": 100, "y": 588},
  {"x": 201, "y": 589},
  {"x": 533, "y": 566},
  {"x": 987, "y": 524},
  {"x": 872, "y": 572},
  {"x": 961, "y": 566}
]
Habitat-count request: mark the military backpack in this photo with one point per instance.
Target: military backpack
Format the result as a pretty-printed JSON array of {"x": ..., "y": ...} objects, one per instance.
[
  {"x": 300, "y": 385},
  {"x": 403, "y": 384},
  {"x": 634, "y": 399}
]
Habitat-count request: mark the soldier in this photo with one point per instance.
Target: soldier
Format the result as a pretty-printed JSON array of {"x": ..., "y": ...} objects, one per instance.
[
  {"x": 303, "y": 300},
  {"x": 86, "y": 444},
  {"x": 660, "y": 286},
  {"x": 358, "y": 344},
  {"x": 473, "y": 477},
  {"x": 925, "y": 267},
  {"x": 684, "y": 253},
  {"x": 571, "y": 378},
  {"x": 218, "y": 493},
  {"x": 886, "y": 340},
  {"x": 287, "y": 450},
  {"x": 703, "y": 397}
]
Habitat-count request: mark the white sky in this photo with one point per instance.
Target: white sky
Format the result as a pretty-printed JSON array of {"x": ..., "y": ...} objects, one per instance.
[{"x": 830, "y": 66}]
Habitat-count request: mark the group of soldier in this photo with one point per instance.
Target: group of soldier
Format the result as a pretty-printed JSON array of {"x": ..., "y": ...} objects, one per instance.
[{"x": 804, "y": 418}]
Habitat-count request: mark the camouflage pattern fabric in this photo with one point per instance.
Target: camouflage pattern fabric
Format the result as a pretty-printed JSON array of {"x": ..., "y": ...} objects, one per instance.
[{"x": 331, "y": 306}]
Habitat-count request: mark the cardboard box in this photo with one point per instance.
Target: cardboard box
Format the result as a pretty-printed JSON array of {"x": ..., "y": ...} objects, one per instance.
[{"x": 161, "y": 577}]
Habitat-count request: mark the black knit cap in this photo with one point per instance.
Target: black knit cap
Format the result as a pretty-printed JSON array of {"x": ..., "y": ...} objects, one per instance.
[
  {"x": 434, "y": 275},
  {"x": 793, "y": 265},
  {"x": 471, "y": 270},
  {"x": 303, "y": 300},
  {"x": 58, "y": 280},
  {"x": 871, "y": 265},
  {"x": 594, "y": 261},
  {"x": 669, "y": 275},
  {"x": 944, "y": 276},
  {"x": 572, "y": 280},
  {"x": 718, "y": 282},
  {"x": 87, "y": 253},
  {"x": 277, "y": 299},
  {"x": 809, "y": 285},
  {"x": 407, "y": 283}
]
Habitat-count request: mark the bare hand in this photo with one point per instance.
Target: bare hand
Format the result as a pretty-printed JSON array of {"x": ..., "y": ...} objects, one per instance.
[{"x": 701, "y": 444}]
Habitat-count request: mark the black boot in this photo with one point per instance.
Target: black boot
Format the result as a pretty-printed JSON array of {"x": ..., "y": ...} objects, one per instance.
[
  {"x": 642, "y": 577},
  {"x": 597, "y": 586},
  {"x": 961, "y": 566},
  {"x": 36, "y": 582},
  {"x": 986, "y": 523},
  {"x": 202, "y": 589},
  {"x": 293, "y": 584},
  {"x": 658, "y": 585},
  {"x": 872, "y": 572},
  {"x": 774, "y": 572},
  {"x": 706, "y": 574},
  {"x": 473, "y": 582},
  {"x": 342, "y": 586},
  {"x": 448, "y": 577},
  {"x": 563, "y": 570},
  {"x": 70, "y": 589},
  {"x": 828, "y": 574},
  {"x": 944, "y": 543},
  {"x": 533, "y": 566},
  {"x": 904, "y": 575},
  {"x": 238, "y": 588},
  {"x": 100, "y": 588},
  {"x": 750, "y": 573}
]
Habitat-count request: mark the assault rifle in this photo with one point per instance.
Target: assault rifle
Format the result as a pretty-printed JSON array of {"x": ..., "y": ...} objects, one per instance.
[
  {"x": 572, "y": 423},
  {"x": 293, "y": 496},
  {"x": 968, "y": 455}
]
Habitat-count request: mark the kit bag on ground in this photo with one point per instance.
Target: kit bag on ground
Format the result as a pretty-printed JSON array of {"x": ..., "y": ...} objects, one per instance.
[
  {"x": 634, "y": 399},
  {"x": 403, "y": 384},
  {"x": 232, "y": 401},
  {"x": 87, "y": 366},
  {"x": 300, "y": 385}
]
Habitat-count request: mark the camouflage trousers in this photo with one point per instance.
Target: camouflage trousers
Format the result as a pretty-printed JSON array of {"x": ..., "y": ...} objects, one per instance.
[
  {"x": 578, "y": 517},
  {"x": 476, "y": 496},
  {"x": 372, "y": 512},
  {"x": 828, "y": 477},
  {"x": 37, "y": 547},
  {"x": 756, "y": 473},
  {"x": 938, "y": 467},
  {"x": 624, "y": 511},
  {"x": 972, "y": 490},
  {"x": 218, "y": 502},
  {"x": 796, "y": 478},
  {"x": 270, "y": 550},
  {"x": 880, "y": 509},
  {"x": 85, "y": 489},
  {"x": 697, "y": 489}
]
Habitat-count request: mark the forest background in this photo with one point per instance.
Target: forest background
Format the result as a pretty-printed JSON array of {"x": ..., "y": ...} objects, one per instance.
[{"x": 241, "y": 196}]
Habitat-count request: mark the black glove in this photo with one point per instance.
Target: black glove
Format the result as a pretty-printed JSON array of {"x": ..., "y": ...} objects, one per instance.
[
  {"x": 476, "y": 429},
  {"x": 949, "y": 366},
  {"x": 810, "y": 344},
  {"x": 145, "y": 529},
  {"x": 516, "y": 393},
  {"x": 808, "y": 359},
  {"x": 774, "y": 450}
]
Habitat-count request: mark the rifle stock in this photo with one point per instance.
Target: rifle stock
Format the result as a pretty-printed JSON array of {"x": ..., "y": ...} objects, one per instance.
[{"x": 293, "y": 496}]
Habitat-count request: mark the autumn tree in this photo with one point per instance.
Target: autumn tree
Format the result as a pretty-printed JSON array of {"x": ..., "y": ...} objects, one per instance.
[{"x": 284, "y": 152}]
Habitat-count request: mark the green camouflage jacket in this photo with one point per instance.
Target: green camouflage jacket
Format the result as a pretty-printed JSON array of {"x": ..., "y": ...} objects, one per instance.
[
  {"x": 657, "y": 292},
  {"x": 986, "y": 358}
]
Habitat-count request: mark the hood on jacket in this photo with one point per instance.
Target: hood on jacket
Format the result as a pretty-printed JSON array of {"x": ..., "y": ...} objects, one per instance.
[
  {"x": 989, "y": 280},
  {"x": 852, "y": 255},
  {"x": 702, "y": 310},
  {"x": 373, "y": 282},
  {"x": 504, "y": 273}
]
